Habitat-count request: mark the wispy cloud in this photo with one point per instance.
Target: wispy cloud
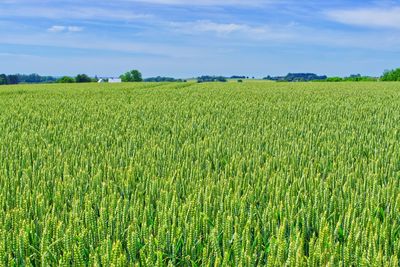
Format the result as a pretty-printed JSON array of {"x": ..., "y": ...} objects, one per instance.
[
  {"x": 101, "y": 44},
  {"x": 58, "y": 28},
  {"x": 367, "y": 17},
  {"x": 73, "y": 12},
  {"x": 229, "y": 29}
]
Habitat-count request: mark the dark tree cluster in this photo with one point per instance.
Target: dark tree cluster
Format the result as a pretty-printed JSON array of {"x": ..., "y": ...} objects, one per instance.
[
  {"x": 132, "y": 76},
  {"x": 163, "y": 79},
  {"x": 297, "y": 77},
  {"x": 66, "y": 79},
  {"x": 23, "y": 78},
  {"x": 204, "y": 79},
  {"x": 80, "y": 78}
]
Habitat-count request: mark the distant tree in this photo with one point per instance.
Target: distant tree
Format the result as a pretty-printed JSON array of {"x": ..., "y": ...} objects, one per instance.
[
  {"x": 33, "y": 78},
  {"x": 82, "y": 78},
  {"x": 359, "y": 78},
  {"x": 23, "y": 78},
  {"x": 297, "y": 77},
  {"x": 206, "y": 78},
  {"x": 391, "y": 75},
  {"x": 12, "y": 79},
  {"x": 132, "y": 76},
  {"x": 3, "y": 79},
  {"x": 66, "y": 79},
  {"x": 162, "y": 79},
  {"x": 334, "y": 79}
]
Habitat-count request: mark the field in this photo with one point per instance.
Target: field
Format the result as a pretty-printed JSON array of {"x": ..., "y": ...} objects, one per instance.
[{"x": 185, "y": 174}]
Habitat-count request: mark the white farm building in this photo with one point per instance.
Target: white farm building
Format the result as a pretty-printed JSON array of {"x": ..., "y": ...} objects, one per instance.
[
  {"x": 110, "y": 80},
  {"x": 114, "y": 80}
]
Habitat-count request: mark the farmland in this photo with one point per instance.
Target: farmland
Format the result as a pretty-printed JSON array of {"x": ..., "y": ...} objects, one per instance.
[{"x": 211, "y": 174}]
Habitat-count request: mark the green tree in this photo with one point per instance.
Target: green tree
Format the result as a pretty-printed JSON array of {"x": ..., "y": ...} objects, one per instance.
[
  {"x": 132, "y": 76},
  {"x": 3, "y": 79},
  {"x": 82, "y": 78},
  {"x": 12, "y": 79},
  {"x": 334, "y": 79},
  {"x": 392, "y": 75},
  {"x": 66, "y": 79}
]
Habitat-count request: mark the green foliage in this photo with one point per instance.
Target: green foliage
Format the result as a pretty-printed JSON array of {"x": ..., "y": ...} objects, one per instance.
[
  {"x": 392, "y": 75},
  {"x": 297, "y": 77},
  {"x": 66, "y": 79},
  {"x": 352, "y": 78},
  {"x": 12, "y": 79},
  {"x": 206, "y": 78},
  {"x": 132, "y": 76},
  {"x": 334, "y": 79},
  {"x": 23, "y": 78},
  {"x": 83, "y": 78},
  {"x": 3, "y": 79},
  {"x": 211, "y": 174},
  {"x": 162, "y": 79},
  {"x": 359, "y": 78}
]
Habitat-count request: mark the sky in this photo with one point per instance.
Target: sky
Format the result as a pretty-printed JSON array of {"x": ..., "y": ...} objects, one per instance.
[{"x": 188, "y": 38}]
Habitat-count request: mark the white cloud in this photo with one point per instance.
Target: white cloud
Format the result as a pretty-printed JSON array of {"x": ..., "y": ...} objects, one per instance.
[
  {"x": 261, "y": 32},
  {"x": 368, "y": 17},
  {"x": 209, "y": 26},
  {"x": 93, "y": 42},
  {"x": 58, "y": 28},
  {"x": 74, "y": 29}
]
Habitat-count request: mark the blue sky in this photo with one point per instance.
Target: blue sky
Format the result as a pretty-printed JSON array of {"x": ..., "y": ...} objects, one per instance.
[{"x": 187, "y": 38}]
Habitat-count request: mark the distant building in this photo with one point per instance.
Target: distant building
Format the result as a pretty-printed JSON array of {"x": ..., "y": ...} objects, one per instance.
[{"x": 114, "y": 80}]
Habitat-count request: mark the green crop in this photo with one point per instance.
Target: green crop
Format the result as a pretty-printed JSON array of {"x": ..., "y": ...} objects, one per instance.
[{"x": 184, "y": 174}]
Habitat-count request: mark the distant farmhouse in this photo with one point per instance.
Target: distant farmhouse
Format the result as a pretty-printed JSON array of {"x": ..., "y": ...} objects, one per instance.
[
  {"x": 114, "y": 80},
  {"x": 109, "y": 80}
]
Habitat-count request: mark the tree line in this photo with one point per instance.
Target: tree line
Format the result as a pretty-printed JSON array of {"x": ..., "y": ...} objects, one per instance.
[
  {"x": 23, "y": 78},
  {"x": 389, "y": 75},
  {"x": 136, "y": 76}
]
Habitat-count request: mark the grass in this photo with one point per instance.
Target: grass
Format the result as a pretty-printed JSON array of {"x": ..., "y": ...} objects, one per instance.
[{"x": 295, "y": 174}]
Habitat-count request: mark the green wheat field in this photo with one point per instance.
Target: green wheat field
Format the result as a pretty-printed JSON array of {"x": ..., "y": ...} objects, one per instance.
[{"x": 212, "y": 174}]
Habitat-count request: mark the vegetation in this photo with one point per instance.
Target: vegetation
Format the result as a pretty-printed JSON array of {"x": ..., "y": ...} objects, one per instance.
[
  {"x": 83, "y": 78},
  {"x": 392, "y": 75},
  {"x": 22, "y": 78},
  {"x": 297, "y": 77},
  {"x": 136, "y": 76},
  {"x": 132, "y": 76},
  {"x": 311, "y": 77},
  {"x": 352, "y": 78},
  {"x": 206, "y": 78},
  {"x": 163, "y": 79},
  {"x": 66, "y": 79},
  {"x": 187, "y": 174}
]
